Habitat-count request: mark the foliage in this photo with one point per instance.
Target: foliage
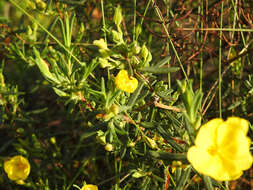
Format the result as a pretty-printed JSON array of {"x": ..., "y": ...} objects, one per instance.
[{"x": 62, "y": 107}]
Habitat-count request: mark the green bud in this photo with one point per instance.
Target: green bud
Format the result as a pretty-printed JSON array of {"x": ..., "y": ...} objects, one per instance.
[
  {"x": 109, "y": 147},
  {"x": 22, "y": 151},
  {"x": 41, "y": 5},
  {"x": 93, "y": 104},
  {"x": 104, "y": 63},
  {"x": 131, "y": 144},
  {"x": 29, "y": 31},
  {"x": 30, "y": 4},
  {"x": 100, "y": 43},
  {"x": 139, "y": 173},
  {"x": 117, "y": 18},
  {"x": 136, "y": 48},
  {"x": 110, "y": 124},
  {"x": 138, "y": 30},
  {"x": 82, "y": 29},
  {"x": 149, "y": 58},
  {"x": 121, "y": 124},
  {"x": 150, "y": 142},
  {"x": 20, "y": 130},
  {"x": 101, "y": 138},
  {"x": 144, "y": 52},
  {"x": 34, "y": 27},
  {"x": 117, "y": 37},
  {"x": 36, "y": 142},
  {"x": 114, "y": 109},
  {"x": 53, "y": 140}
]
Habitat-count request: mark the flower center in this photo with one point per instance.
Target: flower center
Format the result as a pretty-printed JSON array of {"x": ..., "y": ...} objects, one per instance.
[
  {"x": 212, "y": 150},
  {"x": 21, "y": 166}
]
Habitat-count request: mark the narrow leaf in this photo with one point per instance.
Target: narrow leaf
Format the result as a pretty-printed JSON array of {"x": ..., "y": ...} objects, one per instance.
[
  {"x": 184, "y": 179},
  {"x": 159, "y": 70},
  {"x": 208, "y": 183},
  {"x": 168, "y": 156}
]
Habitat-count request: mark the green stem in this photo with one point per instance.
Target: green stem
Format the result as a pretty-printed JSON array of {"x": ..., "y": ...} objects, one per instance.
[
  {"x": 220, "y": 56},
  {"x": 43, "y": 28},
  {"x": 159, "y": 14},
  {"x": 134, "y": 30},
  {"x": 201, "y": 41},
  {"x": 103, "y": 18}
]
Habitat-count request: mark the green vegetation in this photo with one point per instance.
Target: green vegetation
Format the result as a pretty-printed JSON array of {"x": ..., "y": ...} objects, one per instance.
[{"x": 61, "y": 109}]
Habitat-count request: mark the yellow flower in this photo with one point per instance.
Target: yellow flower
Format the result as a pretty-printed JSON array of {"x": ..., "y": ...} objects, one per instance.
[
  {"x": 17, "y": 168},
  {"x": 123, "y": 82},
  {"x": 221, "y": 149},
  {"x": 89, "y": 187}
]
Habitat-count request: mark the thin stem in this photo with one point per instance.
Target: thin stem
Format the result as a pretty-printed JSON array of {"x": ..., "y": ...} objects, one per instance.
[
  {"x": 103, "y": 18},
  {"x": 217, "y": 29},
  {"x": 134, "y": 30},
  {"x": 168, "y": 45},
  {"x": 201, "y": 41},
  {"x": 220, "y": 47},
  {"x": 43, "y": 28},
  {"x": 142, "y": 19},
  {"x": 243, "y": 38},
  {"x": 159, "y": 14}
]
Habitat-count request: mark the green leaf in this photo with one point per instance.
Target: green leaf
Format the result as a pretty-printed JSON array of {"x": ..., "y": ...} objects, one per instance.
[
  {"x": 197, "y": 102},
  {"x": 163, "y": 61},
  {"x": 135, "y": 95},
  {"x": 159, "y": 70},
  {"x": 60, "y": 92},
  {"x": 44, "y": 67},
  {"x": 208, "y": 182},
  {"x": 184, "y": 179},
  {"x": 88, "y": 70},
  {"x": 168, "y": 156},
  {"x": 165, "y": 135},
  {"x": 148, "y": 125}
]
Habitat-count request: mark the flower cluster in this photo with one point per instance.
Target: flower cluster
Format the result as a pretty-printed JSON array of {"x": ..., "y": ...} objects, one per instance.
[
  {"x": 126, "y": 83},
  {"x": 17, "y": 168},
  {"x": 221, "y": 149}
]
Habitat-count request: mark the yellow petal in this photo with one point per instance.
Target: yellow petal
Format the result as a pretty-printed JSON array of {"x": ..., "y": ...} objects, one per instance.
[
  {"x": 234, "y": 144},
  {"x": 132, "y": 85},
  {"x": 211, "y": 165},
  {"x": 206, "y": 136},
  {"x": 89, "y": 187},
  {"x": 17, "y": 168},
  {"x": 123, "y": 82},
  {"x": 222, "y": 149},
  {"x": 236, "y": 122}
]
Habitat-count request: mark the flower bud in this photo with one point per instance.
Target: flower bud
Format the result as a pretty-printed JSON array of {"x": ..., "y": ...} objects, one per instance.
[
  {"x": 150, "y": 142},
  {"x": 53, "y": 140},
  {"x": 144, "y": 52},
  {"x": 104, "y": 63},
  {"x": 100, "y": 43},
  {"x": 41, "y": 5},
  {"x": 109, "y": 147},
  {"x": 117, "y": 18},
  {"x": 117, "y": 37}
]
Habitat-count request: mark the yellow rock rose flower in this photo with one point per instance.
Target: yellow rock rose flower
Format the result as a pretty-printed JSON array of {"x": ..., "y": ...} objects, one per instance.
[
  {"x": 17, "y": 168},
  {"x": 221, "y": 149},
  {"x": 89, "y": 187},
  {"x": 123, "y": 82}
]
